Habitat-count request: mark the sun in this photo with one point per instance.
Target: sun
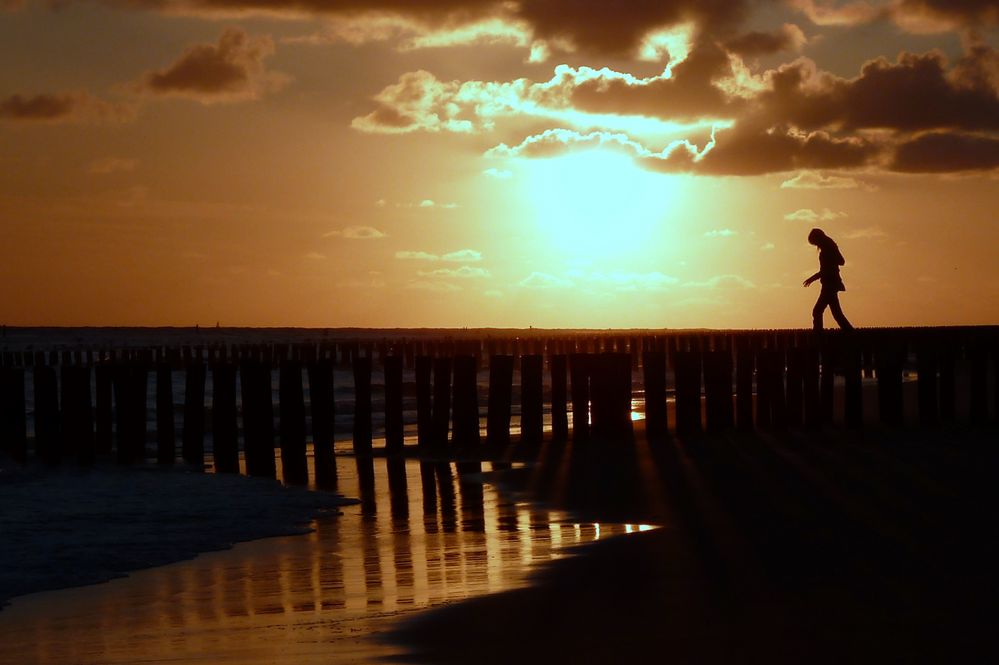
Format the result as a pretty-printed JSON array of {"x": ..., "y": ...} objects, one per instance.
[{"x": 598, "y": 205}]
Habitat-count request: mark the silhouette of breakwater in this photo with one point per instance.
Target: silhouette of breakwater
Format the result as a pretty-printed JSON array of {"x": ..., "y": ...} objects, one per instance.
[{"x": 87, "y": 402}]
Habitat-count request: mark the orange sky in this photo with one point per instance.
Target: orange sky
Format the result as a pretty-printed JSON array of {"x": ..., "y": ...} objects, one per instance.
[{"x": 552, "y": 163}]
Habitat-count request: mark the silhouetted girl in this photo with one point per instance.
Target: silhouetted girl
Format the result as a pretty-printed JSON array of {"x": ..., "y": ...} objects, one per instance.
[{"x": 830, "y": 260}]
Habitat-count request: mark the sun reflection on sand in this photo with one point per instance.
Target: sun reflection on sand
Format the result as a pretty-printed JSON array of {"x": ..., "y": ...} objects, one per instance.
[{"x": 431, "y": 533}]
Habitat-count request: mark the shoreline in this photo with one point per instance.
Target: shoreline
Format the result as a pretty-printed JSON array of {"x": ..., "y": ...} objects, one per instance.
[{"x": 819, "y": 547}]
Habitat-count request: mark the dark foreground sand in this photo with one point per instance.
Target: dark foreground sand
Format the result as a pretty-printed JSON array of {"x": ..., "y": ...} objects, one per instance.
[{"x": 812, "y": 547}]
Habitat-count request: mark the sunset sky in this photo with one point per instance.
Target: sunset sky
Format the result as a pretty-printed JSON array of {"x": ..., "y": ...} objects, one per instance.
[{"x": 555, "y": 163}]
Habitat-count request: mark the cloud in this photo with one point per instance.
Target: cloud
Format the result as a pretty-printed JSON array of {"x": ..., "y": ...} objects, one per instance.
[
  {"x": 230, "y": 71},
  {"x": 723, "y": 282},
  {"x": 315, "y": 256},
  {"x": 916, "y": 92},
  {"x": 416, "y": 256},
  {"x": 944, "y": 152},
  {"x": 625, "y": 281},
  {"x": 430, "y": 203},
  {"x": 357, "y": 233},
  {"x": 824, "y": 12},
  {"x": 767, "y": 246},
  {"x": 866, "y": 234},
  {"x": 813, "y": 180},
  {"x": 923, "y": 16},
  {"x": 433, "y": 286},
  {"x": 809, "y": 215},
  {"x": 463, "y": 256},
  {"x": 720, "y": 233},
  {"x": 63, "y": 107},
  {"x": 605, "y": 28},
  {"x": 464, "y": 272},
  {"x": 107, "y": 165},
  {"x": 788, "y": 37},
  {"x": 499, "y": 174},
  {"x": 540, "y": 280}
]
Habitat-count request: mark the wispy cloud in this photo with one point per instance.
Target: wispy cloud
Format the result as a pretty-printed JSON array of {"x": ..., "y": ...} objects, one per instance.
[
  {"x": 720, "y": 233},
  {"x": 356, "y": 233},
  {"x": 408, "y": 255},
  {"x": 464, "y": 272},
  {"x": 499, "y": 174},
  {"x": 541, "y": 280},
  {"x": 813, "y": 180},
  {"x": 433, "y": 286},
  {"x": 809, "y": 215},
  {"x": 463, "y": 256},
  {"x": 107, "y": 165},
  {"x": 869, "y": 233}
]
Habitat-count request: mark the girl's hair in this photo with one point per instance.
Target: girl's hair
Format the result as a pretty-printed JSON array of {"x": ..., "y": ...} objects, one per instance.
[{"x": 817, "y": 237}]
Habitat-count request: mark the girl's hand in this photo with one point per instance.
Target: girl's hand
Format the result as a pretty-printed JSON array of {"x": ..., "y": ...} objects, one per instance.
[{"x": 808, "y": 282}]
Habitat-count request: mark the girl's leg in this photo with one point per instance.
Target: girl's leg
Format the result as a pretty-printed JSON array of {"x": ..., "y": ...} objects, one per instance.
[
  {"x": 837, "y": 312},
  {"x": 820, "y": 307}
]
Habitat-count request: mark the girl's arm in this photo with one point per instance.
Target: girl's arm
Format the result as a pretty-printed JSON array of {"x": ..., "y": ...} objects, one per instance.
[{"x": 808, "y": 282}]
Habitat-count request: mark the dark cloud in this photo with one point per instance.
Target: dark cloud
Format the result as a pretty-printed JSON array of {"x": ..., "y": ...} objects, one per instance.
[
  {"x": 917, "y": 92},
  {"x": 689, "y": 94},
  {"x": 230, "y": 70},
  {"x": 756, "y": 151},
  {"x": 619, "y": 27},
  {"x": 62, "y": 107},
  {"x": 788, "y": 37},
  {"x": 596, "y": 25},
  {"x": 946, "y": 152},
  {"x": 944, "y": 14}
]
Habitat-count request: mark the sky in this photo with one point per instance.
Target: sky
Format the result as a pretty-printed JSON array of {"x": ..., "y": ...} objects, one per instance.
[{"x": 546, "y": 163}]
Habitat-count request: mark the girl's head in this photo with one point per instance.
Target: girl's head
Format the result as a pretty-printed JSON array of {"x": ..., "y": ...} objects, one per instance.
[{"x": 817, "y": 237}]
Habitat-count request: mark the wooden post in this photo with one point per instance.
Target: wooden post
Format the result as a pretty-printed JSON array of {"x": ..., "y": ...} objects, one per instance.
[
  {"x": 362, "y": 405},
  {"x": 810, "y": 379},
  {"x": 500, "y": 401},
  {"x": 225, "y": 438},
  {"x": 258, "y": 418},
  {"x": 579, "y": 374},
  {"x": 323, "y": 408},
  {"x": 424, "y": 401},
  {"x": 78, "y": 413},
  {"x": 531, "y": 398},
  {"x": 291, "y": 423},
  {"x": 795, "y": 385},
  {"x": 889, "y": 359},
  {"x": 948, "y": 398},
  {"x": 829, "y": 359},
  {"x": 687, "y": 370},
  {"x": 560, "y": 394},
  {"x": 466, "y": 402},
  {"x": 744, "y": 368},
  {"x": 765, "y": 385},
  {"x": 718, "y": 390},
  {"x": 13, "y": 416},
  {"x": 103, "y": 375},
  {"x": 853, "y": 397},
  {"x": 978, "y": 360},
  {"x": 48, "y": 439},
  {"x": 441, "y": 412},
  {"x": 926, "y": 370},
  {"x": 620, "y": 395},
  {"x": 165, "y": 446},
  {"x": 193, "y": 446},
  {"x": 654, "y": 375},
  {"x": 394, "y": 438}
]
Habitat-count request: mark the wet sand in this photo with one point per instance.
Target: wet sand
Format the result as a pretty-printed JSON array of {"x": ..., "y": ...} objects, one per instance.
[
  {"x": 827, "y": 546},
  {"x": 424, "y": 535}
]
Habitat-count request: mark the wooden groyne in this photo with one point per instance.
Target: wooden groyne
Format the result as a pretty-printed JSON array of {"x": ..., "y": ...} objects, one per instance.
[{"x": 92, "y": 402}]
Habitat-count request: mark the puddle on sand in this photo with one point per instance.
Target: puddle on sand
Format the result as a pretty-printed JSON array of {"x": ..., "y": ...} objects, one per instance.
[{"x": 424, "y": 535}]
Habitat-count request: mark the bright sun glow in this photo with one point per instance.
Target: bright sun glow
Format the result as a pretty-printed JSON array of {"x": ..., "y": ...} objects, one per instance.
[{"x": 598, "y": 204}]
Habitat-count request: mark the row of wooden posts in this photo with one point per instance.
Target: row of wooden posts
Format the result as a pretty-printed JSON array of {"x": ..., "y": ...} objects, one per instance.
[{"x": 780, "y": 380}]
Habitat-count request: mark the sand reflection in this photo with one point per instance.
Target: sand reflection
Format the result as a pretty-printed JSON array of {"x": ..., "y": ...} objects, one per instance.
[{"x": 424, "y": 534}]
